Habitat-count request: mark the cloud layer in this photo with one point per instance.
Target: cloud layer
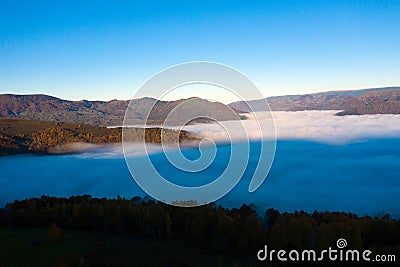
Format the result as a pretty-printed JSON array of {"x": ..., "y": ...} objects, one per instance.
[
  {"x": 360, "y": 177},
  {"x": 320, "y": 126}
]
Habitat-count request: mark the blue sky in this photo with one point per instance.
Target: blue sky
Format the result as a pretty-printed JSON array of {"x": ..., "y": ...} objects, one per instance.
[{"x": 107, "y": 49}]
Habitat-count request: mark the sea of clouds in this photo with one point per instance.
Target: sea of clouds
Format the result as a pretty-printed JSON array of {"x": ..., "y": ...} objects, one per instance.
[
  {"x": 317, "y": 126},
  {"x": 322, "y": 162},
  {"x": 320, "y": 126}
]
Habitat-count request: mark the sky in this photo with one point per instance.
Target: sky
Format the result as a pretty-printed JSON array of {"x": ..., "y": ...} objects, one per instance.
[{"x": 103, "y": 50}]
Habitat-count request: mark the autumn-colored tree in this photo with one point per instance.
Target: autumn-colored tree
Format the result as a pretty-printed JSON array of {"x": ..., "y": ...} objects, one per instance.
[{"x": 55, "y": 232}]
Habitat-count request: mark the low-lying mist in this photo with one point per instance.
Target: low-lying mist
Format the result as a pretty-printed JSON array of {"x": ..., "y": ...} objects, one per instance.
[
  {"x": 319, "y": 126},
  {"x": 322, "y": 162},
  {"x": 85, "y": 150},
  {"x": 360, "y": 177}
]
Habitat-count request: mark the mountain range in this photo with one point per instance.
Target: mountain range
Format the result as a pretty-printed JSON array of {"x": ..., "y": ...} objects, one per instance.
[
  {"x": 111, "y": 113},
  {"x": 103, "y": 113},
  {"x": 353, "y": 102}
]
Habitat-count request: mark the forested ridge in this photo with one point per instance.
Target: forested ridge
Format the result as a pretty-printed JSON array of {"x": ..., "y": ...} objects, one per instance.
[
  {"x": 237, "y": 231},
  {"x": 27, "y": 136},
  {"x": 348, "y": 102},
  {"x": 106, "y": 113}
]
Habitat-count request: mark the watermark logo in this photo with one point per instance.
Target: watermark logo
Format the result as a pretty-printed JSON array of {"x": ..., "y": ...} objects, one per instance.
[
  {"x": 341, "y": 243},
  {"x": 146, "y": 109},
  {"x": 330, "y": 254}
]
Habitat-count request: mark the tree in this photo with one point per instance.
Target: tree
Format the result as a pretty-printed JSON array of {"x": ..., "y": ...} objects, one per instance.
[{"x": 55, "y": 232}]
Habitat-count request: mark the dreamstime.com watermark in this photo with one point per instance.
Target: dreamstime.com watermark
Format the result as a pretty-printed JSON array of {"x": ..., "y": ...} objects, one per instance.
[{"x": 330, "y": 254}]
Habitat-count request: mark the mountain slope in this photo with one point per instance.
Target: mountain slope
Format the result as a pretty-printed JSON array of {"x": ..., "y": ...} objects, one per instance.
[
  {"x": 111, "y": 113},
  {"x": 357, "y": 102},
  {"x": 33, "y": 136},
  {"x": 48, "y": 108},
  {"x": 101, "y": 113}
]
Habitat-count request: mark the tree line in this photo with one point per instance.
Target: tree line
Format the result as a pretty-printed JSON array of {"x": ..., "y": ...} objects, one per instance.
[{"x": 238, "y": 229}]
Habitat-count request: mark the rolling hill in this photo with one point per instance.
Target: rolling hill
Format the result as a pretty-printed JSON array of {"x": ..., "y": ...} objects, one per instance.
[
  {"x": 354, "y": 102},
  {"x": 18, "y": 136},
  {"x": 111, "y": 113},
  {"x": 102, "y": 113}
]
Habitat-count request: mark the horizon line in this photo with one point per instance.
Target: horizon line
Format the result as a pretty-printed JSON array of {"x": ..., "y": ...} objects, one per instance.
[{"x": 393, "y": 87}]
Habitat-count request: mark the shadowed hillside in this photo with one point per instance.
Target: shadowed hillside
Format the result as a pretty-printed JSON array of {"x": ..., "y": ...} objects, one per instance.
[{"x": 86, "y": 231}]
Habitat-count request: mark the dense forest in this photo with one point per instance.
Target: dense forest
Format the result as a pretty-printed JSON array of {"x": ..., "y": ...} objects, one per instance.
[
  {"x": 27, "y": 136},
  {"x": 225, "y": 237}
]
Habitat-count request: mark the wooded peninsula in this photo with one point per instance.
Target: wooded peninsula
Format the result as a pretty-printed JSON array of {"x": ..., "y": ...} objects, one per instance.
[{"x": 19, "y": 136}]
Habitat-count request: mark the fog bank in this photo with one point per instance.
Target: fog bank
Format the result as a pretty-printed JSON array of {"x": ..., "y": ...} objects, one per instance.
[{"x": 319, "y": 126}]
